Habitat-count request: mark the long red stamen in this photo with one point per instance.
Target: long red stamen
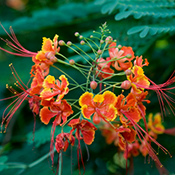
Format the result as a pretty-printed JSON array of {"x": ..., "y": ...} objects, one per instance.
[
  {"x": 159, "y": 89},
  {"x": 138, "y": 129},
  {"x": 21, "y": 51},
  {"x": 10, "y": 114}
]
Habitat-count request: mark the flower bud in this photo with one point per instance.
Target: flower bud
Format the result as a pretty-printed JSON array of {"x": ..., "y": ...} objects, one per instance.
[
  {"x": 126, "y": 84},
  {"x": 128, "y": 72},
  {"x": 51, "y": 56},
  {"x": 91, "y": 36},
  {"x": 128, "y": 55},
  {"x": 99, "y": 52},
  {"x": 101, "y": 41},
  {"x": 119, "y": 46},
  {"x": 72, "y": 62},
  {"x": 93, "y": 84},
  {"x": 82, "y": 42},
  {"x": 109, "y": 40},
  {"x": 69, "y": 43},
  {"x": 81, "y": 37},
  {"x": 61, "y": 43},
  {"x": 76, "y": 34}
]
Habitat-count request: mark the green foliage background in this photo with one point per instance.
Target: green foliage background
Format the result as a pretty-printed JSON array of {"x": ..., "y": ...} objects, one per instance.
[{"x": 146, "y": 25}]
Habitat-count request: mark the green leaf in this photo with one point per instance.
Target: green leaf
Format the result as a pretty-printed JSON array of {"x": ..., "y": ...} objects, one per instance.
[
  {"x": 42, "y": 135},
  {"x": 3, "y": 159},
  {"x": 144, "y": 32},
  {"x": 135, "y": 30},
  {"x": 122, "y": 15}
]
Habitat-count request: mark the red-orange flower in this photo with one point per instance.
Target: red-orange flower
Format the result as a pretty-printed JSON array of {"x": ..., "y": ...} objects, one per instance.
[
  {"x": 156, "y": 124},
  {"x": 116, "y": 54},
  {"x": 62, "y": 141},
  {"x": 60, "y": 111},
  {"x": 126, "y": 135},
  {"x": 110, "y": 133},
  {"x": 104, "y": 67},
  {"x": 53, "y": 87},
  {"x": 99, "y": 107},
  {"x": 86, "y": 128},
  {"x": 138, "y": 80},
  {"x": 133, "y": 150},
  {"x": 48, "y": 51},
  {"x": 127, "y": 107}
]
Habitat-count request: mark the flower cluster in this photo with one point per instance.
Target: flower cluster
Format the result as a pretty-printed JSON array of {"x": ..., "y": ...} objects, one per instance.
[{"x": 117, "y": 114}]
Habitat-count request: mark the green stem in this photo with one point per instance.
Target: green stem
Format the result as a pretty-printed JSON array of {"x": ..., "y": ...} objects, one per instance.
[
  {"x": 68, "y": 76},
  {"x": 81, "y": 54},
  {"x": 40, "y": 159},
  {"x": 75, "y": 67},
  {"x": 60, "y": 163}
]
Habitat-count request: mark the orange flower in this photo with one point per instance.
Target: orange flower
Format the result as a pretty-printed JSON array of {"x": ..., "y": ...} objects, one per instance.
[
  {"x": 87, "y": 130},
  {"x": 60, "y": 111},
  {"x": 84, "y": 130},
  {"x": 110, "y": 134},
  {"x": 138, "y": 80},
  {"x": 124, "y": 63},
  {"x": 100, "y": 107},
  {"x": 37, "y": 81},
  {"x": 127, "y": 107},
  {"x": 49, "y": 49},
  {"x": 156, "y": 124},
  {"x": 133, "y": 150},
  {"x": 104, "y": 67},
  {"x": 126, "y": 135},
  {"x": 62, "y": 141},
  {"x": 53, "y": 87}
]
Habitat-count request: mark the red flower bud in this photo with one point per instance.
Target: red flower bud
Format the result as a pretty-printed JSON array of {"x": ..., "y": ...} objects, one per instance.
[
  {"x": 72, "y": 62},
  {"x": 61, "y": 43},
  {"x": 93, "y": 84},
  {"x": 128, "y": 72},
  {"x": 126, "y": 84}
]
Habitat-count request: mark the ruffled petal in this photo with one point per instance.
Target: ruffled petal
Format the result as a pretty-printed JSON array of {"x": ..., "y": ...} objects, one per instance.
[{"x": 46, "y": 115}]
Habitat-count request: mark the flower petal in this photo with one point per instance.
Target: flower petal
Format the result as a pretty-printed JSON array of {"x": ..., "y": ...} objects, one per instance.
[{"x": 46, "y": 115}]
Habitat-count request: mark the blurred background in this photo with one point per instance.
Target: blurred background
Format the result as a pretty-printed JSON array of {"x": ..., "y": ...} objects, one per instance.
[{"x": 147, "y": 26}]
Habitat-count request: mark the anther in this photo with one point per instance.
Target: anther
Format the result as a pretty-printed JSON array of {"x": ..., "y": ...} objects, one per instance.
[{"x": 10, "y": 64}]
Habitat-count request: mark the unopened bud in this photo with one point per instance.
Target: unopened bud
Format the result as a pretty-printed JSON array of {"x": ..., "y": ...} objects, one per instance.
[
  {"x": 81, "y": 37},
  {"x": 76, "y": 34},
  {"x": 51, "y": 56},
  {"x": 72, "y": 62},
  {"x": 82, "y": 42},
  {"x": 91, "y": 36},
  {"x": 128, "y": 72},
  {"x": 61, "y": 43},
  {"x": 128, "y": 55},
  {"x": 126, "y": 84},
  {"x": 115, "y": 41},
  {"x": 69, "y": 43},
  {"x": 93, "y": 84},
  {"x": 99, "y": 52},
  {"x": 119, "y": 46},
  {"x": 101, "y": 41},
  {"x": 93, "y": 31},
  {"x": 109, "y": 40}
]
